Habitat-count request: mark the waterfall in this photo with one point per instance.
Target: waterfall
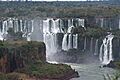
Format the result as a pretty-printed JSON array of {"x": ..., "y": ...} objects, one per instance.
[
  {"x": 30, "y": 29},
  {"x": 4, "y": 27},
  {"x": 70, "y": 22},
  {"x": 91, "y": 45},
  {"x": 101, "y": 52},
  {"x": 102, "y": 22},
  {"x": 57, "y": 28},
  {"x": 64, "y": 42},
  {"x": 21, "y": 26},
  {"x": 85, "y": 42},
  {"x": 96, "y": 47},
  {"x": 50, "y": 41},
  {"x": 28, "y": 37},
  {"x": 46, "y": 26},
  {"x": 81, "y": 22},
  {"x": 50, "y": 30},
  {"x": 16, "y": 29},
  {"x": 10, "y": 23},
  {"x": 119, "y": 23},
  {"x": 1, "y": 36},
  {"x": 70, "y": 29},
  {"x": 106, "y": 50},
  {"x": 70, "y": 41},
  {"x": 75, "y": 41}
]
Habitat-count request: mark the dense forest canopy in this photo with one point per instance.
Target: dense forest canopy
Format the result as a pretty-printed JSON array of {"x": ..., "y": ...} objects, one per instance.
[{"x": 58, "y": 9}]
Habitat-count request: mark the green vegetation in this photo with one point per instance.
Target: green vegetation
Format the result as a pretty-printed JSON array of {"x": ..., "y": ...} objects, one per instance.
[
  {"x": 26, "y": 60},
  {"x": 95, "y": 32},
  {"x": 39, "y": 71},
  {"x": 58, "y": 9},
  {"x": 46, "y": 70}
]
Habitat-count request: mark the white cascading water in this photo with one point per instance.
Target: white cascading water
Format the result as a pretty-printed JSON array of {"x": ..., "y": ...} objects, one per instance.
[
  {"x": 119, "y": 23},
  {"x": 64, "y": 43},
  {"x": 17, "y": 25},
  {"x": 24, "y": 28},
  {"x": 91, "y": 45},
  {"x": 10, "y": 23},
  {"x": 16, "y": 29},
  {"x": 96, "y": 47},
  {"x": 81, "y": 22},
  {"x": 70, "y": 41},
  {"x": 57, "y": 28},
  {"x": 70, "y": 29},
  {"x": 50, "y": 41},
  {"x": 106, "y": 50},
  {"x": 4, "y": 27},
  {"x": 3, "y": 30},
  {"x": 29, "y": 30},
  {"x": 75, "y": 41},
  {"x": 21, "y": 26},
  {"x": 67, "y": 39},
  {"x": 85, "y": 43},
  {"x": 50, "y": 30},
  {"x": 102, "y": 22}
]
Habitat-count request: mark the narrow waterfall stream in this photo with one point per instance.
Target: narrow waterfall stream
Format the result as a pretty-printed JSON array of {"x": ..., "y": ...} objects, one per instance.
[
  {"x": 96, "y": 47},
  {"x": 64, "y": 42},
  {"x": 106, "y": 50}
]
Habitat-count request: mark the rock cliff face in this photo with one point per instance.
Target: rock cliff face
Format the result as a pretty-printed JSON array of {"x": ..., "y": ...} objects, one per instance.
[{"x": 14, "y": 55}]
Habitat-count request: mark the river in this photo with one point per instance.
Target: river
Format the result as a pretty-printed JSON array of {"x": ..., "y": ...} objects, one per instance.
[{"x": 91, "y": 71}]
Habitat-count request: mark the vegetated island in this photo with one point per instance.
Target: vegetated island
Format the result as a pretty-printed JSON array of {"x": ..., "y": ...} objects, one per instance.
[{"x": 22, "y": 60}]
